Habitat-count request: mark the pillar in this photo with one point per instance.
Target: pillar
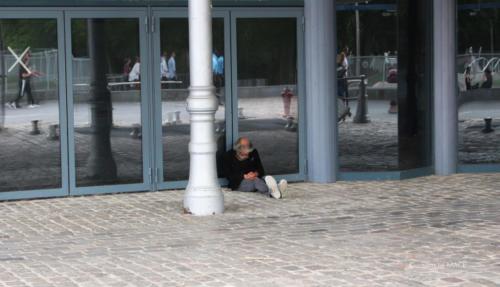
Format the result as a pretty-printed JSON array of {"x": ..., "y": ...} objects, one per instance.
[
  {"x": 445, "y": 87},
  {"x": 101, "y": 165},
  {"x": 321, "y": 93},
  {"x": 203, "y": 194}
]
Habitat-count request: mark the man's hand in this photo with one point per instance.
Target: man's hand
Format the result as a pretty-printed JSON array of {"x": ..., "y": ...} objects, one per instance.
[{"x": 251, "y": 175}]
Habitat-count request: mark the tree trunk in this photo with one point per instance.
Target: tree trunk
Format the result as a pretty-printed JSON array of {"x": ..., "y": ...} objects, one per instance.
[{"x": 100, "y": 165}]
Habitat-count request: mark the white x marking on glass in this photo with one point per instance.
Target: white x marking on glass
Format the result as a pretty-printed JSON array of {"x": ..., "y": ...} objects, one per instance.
[{"x": 19, "y": 60}]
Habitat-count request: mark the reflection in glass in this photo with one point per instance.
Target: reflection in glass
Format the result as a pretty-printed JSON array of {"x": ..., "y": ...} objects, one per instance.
[
  {"x": 107, "y": 101},
  {"x": 267, "y": 90},
  {"x": 478, "y": 67},
  {"x": 384, "y": 81},
  {"x": 174, "y": 72},
  {"x": 29, "y": 115}
]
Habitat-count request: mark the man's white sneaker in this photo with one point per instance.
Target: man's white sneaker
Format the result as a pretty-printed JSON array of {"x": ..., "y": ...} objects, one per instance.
[
  {"x": 283, "y": 186},
  {"x": 273, "y": 187}
]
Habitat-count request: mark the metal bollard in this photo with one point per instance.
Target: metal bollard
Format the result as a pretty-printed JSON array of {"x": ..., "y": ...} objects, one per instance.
[
  {"x": 53, "y": 133},
  {"x": 393, "y": 107},
  {"x": 240, "y": 114},
  {"x": 361, "y": 116},
  {"x": 177, "y": 117},
  {"x": 487, "y": 126},
  {"x": 35, "y": 130},
  {"x": 136, "y": 131},
  {"x": 291, "y": 126}
]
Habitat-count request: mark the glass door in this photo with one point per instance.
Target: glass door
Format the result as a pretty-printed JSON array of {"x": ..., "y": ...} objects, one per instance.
[
  {"x": 268, "y": 90},
  {"x": 170, "y": 75},
  {"x": 108, "y": 101},
  {"x": 33, "y": 146}
]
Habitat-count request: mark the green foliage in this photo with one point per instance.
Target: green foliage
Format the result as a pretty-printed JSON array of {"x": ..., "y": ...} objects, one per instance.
[{"x": 35, "y": 33}]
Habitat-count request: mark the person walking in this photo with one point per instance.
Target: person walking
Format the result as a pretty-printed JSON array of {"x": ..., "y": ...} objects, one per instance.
[{"x": 24, "y": 83}]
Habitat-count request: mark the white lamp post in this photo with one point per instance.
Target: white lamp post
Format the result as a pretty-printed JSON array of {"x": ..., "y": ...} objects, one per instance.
[{"x": 203, "y": 195}]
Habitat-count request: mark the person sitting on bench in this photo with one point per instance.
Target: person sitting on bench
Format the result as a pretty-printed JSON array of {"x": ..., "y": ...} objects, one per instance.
[{"x": 244, "y": 171}]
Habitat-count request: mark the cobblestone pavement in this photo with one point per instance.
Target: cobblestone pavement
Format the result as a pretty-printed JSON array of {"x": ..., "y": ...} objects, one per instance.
[{"x": 430, "y": 231}]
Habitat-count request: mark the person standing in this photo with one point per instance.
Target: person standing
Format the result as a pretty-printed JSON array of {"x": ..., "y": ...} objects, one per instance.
[
  {"x": 468, "y": 79},
  {"x": 135, "y": 73},
  {"x": 164, "y": 66},
  {"x": 341, "y": 76},
  {"x": 287, "y": 96},
  {"x": 172, "y": 71},
  {"x": 126, "y": 68},
  {"x": 345, "y": 63}
]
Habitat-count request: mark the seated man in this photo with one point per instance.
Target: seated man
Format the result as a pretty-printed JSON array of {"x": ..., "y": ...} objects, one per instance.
[{"x": 244, "y": 171}]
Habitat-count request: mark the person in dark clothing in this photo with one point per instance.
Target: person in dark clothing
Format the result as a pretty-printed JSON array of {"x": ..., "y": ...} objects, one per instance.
[
  {"x": 488, "y": 83},
  {"x": 25, "y": 76},
  {"x": 243, "y": 169}
]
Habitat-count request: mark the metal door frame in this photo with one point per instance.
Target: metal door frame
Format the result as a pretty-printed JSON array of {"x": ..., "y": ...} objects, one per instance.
[
  {"x": 58, "y": 15},
  {"x": 112, "y": 13},
  {"x": 298, "y": 13},
  {"x": 156, "y": 14}
]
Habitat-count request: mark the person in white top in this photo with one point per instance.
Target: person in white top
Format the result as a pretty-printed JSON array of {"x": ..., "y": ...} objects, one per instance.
[
  {"x": 172, "y": 71},
  {"x": 135, "y": 74},
  {"x": 163, "y": 66}
]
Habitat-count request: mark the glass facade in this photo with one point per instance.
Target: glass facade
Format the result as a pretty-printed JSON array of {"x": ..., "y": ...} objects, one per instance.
[
  {"x": 478, "y": 67},
  {"x": 384, "y": 77},
  {"x": 124, "y": 121},
  {"x": 128, "y": 128}
]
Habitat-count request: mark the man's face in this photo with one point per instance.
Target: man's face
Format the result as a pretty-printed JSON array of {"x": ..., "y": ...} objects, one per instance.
[{"x": 245, "y": 148}]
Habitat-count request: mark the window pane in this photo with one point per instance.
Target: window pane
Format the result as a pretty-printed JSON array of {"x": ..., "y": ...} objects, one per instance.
[
  {"x": 388, "y": 126},
  {"x": 267, "y": 90},
  {"x": 174, "y": 70},
  {"x": 478, "y": 67},
  {"x": 107, "y": 101},
  {"x": 29, "y": 115}
]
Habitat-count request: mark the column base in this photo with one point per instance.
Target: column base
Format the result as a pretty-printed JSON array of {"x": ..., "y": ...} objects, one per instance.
[{"x": 203, "y": 201}]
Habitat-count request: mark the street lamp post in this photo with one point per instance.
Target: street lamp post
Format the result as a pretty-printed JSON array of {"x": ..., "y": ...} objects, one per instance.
[
  {"x": 203, "y": 194},
  {"x": 358, "y": 42}
]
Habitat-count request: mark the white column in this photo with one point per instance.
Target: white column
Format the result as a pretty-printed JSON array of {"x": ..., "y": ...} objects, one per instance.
[
  {"x": 321, "y": 92},
  {"x": 203, "y": 194},
  {"x": 445, "y": 87}
]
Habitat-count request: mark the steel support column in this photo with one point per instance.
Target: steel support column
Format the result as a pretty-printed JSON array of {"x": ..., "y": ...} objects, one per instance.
[
  {"x": 321, "y": 86},
  {"x": 445, "y": 87}
]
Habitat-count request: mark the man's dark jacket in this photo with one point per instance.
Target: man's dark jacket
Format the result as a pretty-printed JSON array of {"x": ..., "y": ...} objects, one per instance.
[{"x": 235, "y": 169}]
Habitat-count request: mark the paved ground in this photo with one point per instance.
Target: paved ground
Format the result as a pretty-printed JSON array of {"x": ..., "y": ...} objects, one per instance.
[{"x": 424, "y": 232}]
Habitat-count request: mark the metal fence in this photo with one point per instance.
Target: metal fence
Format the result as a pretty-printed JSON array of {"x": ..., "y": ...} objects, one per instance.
[{"x": 43, "y": 61}]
